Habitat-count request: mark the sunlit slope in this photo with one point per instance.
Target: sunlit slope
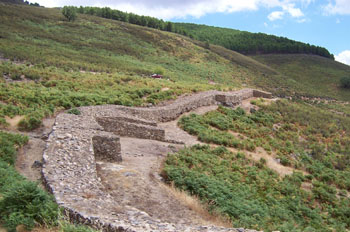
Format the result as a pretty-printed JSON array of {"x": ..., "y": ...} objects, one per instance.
[
  {"x": 307, "y": 75},
  {"x": 43, "y": 36}
]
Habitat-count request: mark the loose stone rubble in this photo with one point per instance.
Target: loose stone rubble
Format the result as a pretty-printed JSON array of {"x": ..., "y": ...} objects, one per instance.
[{"x": 77, "y": 142}]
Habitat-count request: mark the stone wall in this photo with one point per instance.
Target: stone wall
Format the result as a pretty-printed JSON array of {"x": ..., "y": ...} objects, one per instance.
[
  {"x": 107, "y": 148},
  {"x": 128, "y": 129},
  {"x": 259, "y": 93},
  {"x": 78, "y": 141}
]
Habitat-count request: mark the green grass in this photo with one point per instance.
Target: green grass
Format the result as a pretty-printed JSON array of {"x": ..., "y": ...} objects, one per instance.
[
  {"x": 307, "y": 137},
  {"x": 305, "y": 75}
]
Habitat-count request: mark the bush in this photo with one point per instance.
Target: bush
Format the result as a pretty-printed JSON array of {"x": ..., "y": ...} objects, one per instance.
[
  {"x": 32, "y": 75},
  {"x": 66, "y": 227},
  {"x": 30, "y": 123},
  {"x": 74, "y": 111},
  {"x": 69, "y": 12},
  {"x": 159, "y": 70},
  {"x": 7, "y": 147},
  {"x": 345, "y": 82},
  {"x": 24, "y": 203},
  {"x": 16, "y": 76}
]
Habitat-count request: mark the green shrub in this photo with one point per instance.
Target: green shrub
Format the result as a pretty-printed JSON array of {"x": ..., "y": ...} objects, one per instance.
[
  {"x": 69, "y": 12},
  {"x": 74, "y": 111},
  {"x": 285, "y": 161},
  {"x": 67, "y": 227},
  {"x": 252, "y": 197},
  {"x": 159, "y": 70},
  {"x": 32, "y": 75},
  {"x": 30, "y": 122},
  {"x": 15, "y": 76},
  {"x": 8, "y": 144},
  {"x": 24, "y": 203},
  {"x": 345, "y": 82}
]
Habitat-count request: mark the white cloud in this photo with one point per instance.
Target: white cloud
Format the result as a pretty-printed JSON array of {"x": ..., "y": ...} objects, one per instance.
[
  {"x": 275, "y": 15},
  {"x": 288, "y": 8},
  {"x": 169, "y": 9},
  {"x": 337, "y": 7},
  {"x": 294, "y": 12},
  {"x": 301, "y": 20},
  {"x": 343, "y": 57}
]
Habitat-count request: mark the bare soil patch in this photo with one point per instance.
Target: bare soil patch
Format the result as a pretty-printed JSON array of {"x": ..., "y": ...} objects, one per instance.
[
  {"x": 137, "y": 182},
  {"x": 29, "y": 157},
  {"x": 13, "y": 122}
]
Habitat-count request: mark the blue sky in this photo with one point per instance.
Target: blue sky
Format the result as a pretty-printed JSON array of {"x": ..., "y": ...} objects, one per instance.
[{"x": 324, "y": 23}]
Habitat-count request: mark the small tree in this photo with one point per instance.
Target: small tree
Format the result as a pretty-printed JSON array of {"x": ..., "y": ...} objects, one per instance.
[
  {"x": 207, "y": 44},
  {"x": 69, "y": 12},
  {"x": 345, "y": 82},
  {"x": 169, "y": 26}
]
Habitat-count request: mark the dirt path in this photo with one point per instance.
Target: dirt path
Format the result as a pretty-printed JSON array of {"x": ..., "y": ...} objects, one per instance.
[
  {"x": 136, "y": 181},
  {"x": 29, "y": 158},
  {"x": 271, "y": 161}
]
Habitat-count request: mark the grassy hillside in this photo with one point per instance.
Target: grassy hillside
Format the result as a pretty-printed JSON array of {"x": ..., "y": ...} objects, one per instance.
[
  {"x": 308, "y": 138},
  {"x": 98, "y": 61},
  {"x": 48, "y": 64},
  {"x": 249, "y": 43},
  {"x": 307, "y": 75},
  {"x": 240, "y": 41}
]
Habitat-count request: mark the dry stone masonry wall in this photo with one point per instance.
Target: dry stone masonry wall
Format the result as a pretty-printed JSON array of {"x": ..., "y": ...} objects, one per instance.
[{"x": 77, "y": 142}]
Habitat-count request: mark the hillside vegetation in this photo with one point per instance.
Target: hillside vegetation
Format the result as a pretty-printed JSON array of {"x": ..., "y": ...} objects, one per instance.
[
  {"x": 250, "y": 43},
  {"x": 93, "y": 61},
  {"x": 240, "y": 41},
  {"x": 235, "y": 41},
  {"x": 305, "y": 75},
  {"x": 48, "y": 64},
  {"x": 312, "y": 140}
]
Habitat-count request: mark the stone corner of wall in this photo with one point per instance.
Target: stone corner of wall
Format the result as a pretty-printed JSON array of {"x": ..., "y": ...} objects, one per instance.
[
  {"x": 261, "y": 93},
  {"x": 107, "y": 147}
]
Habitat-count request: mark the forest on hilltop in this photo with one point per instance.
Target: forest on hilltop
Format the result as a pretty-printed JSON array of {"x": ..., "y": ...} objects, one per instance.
[{"x": 240, "y": 41}]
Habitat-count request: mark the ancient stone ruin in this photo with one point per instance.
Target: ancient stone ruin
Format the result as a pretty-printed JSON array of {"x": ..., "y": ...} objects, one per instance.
[{"x": 78, "y": 142}]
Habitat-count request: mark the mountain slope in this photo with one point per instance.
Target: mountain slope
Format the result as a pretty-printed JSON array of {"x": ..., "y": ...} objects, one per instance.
[
  {"x": 43, "y": 36},
  {"x": 308, "y": 75},
  {"x": 98, "y": 61},
  {"x": 249, "y": 43}
]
